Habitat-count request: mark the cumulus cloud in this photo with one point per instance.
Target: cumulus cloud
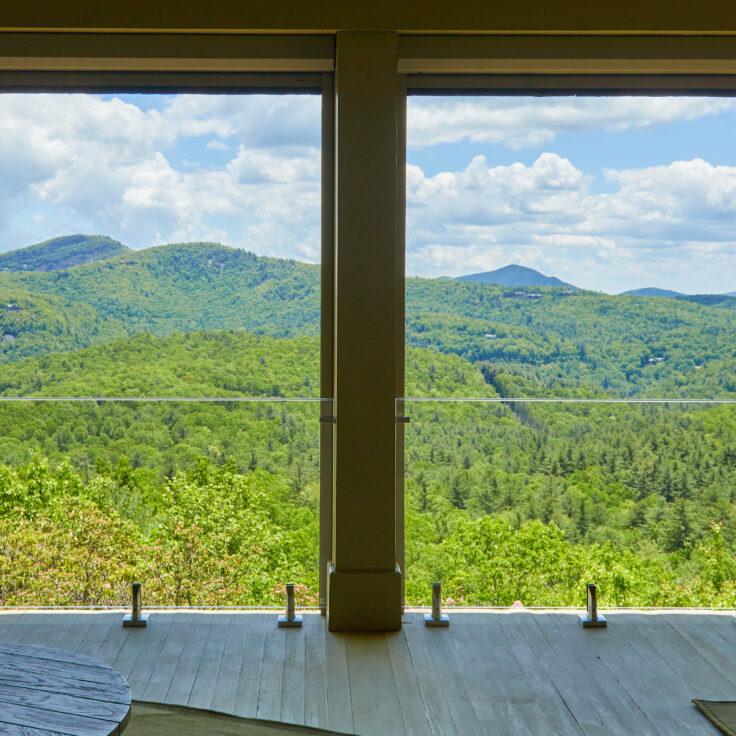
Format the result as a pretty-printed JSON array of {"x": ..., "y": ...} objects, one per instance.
[
  {"x": 521, "y": 122},
  {"x": 671, "y": 226},
  {"x": 109, "y": 165},
  {"x": 245, "y": 171}
]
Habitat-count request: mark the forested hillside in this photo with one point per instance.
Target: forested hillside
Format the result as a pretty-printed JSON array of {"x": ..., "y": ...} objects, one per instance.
[
  {"x": 195, "y": 286},
  {"x": 578, "y": 343},
  {"x": 624, "y": 494},
  {"x": 216, "y": 502},
  {"x": 564, "y": 342}
]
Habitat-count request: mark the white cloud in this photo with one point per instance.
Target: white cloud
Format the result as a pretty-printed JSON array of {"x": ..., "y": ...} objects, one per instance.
[
  {"x": 107, "y": 165},
  {"x": 521, "y": 122},
  {"x": 142, "y": 173},
  {"x": 665, "y": 222}
]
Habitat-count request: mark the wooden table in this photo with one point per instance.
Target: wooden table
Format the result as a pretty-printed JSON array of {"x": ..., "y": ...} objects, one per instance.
[{"x": 45, "y": 692}]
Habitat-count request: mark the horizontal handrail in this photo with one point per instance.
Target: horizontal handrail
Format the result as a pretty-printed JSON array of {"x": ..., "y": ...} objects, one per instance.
[
  {"x": 171, "y": 399},
  {"x": 526, "y": 400}
]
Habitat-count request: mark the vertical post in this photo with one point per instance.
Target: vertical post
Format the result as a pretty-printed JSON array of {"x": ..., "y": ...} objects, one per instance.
[
  {"x": 437, "y": 618},
  {"x": 290, "y": 605},
  {"x": 364, "y": 580},
  {"x": 290, "y": 620},
  {"x": 135, "y": 618},
  {"x": 436, "y": 600},
  {"x": 591, "y": 620},
  {"x": 136, "y": 595},
  {"x": 400, "y": 326},
  {"x": 592, "y": 602},
  {"x": 327, "y": 308}
]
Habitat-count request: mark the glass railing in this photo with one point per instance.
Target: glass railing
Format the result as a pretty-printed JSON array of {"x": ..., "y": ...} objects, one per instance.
[
  {"x": 528, "y": 500},
  {"x": 205, "y": 501}
]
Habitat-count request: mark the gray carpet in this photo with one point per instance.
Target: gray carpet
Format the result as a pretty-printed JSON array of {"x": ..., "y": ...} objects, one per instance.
[
  {"x": 152, "y": 719},
  {"x": 721, "y": 713}
]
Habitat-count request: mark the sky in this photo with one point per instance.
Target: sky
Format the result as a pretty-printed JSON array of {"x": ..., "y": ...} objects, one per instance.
[{"x": 606, "y": 193}]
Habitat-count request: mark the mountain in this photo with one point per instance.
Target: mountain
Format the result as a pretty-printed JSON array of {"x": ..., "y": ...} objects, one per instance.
[
  {"x": 727, "y": 301},
  {"x": 60, "y": 253},
  {"x": 166, "y": 289},
  {"x": 730, "y": 293},
  {"x": 569, "y": 339},
  {"x": 652, "y": 291},
  {"x": 513, "y": 275},
  {"x": 710, "y": 300}
]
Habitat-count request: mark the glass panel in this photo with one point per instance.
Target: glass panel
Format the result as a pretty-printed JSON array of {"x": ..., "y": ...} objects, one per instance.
[
  {"x": 528, "y": 502},
  {"x": 161, "y": 252},
  {"x": 562, "y": 250},
  {"x": 205, "y": 504}
]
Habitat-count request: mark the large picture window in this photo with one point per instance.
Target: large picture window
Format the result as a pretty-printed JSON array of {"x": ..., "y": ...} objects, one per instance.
[
  {"x": 570, "y": 330},
  {"x": 160, "y": 306}
]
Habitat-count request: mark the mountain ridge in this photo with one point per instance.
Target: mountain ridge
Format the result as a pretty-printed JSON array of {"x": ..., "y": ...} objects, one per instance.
[
  {"x": 566, "y": 337},
  {"x": 513, "y": 275},
  {"x": 652, "y": 291},
  {"x": 65, "y": 251}
]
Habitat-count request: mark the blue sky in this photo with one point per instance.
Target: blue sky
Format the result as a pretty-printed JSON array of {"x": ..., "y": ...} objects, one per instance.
[
  {"x": 606, "y": 193},
  {"x": 710, "y": 138}
]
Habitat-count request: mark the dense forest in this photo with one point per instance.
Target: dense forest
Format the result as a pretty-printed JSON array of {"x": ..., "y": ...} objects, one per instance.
[{"x": 216, "y": 502}]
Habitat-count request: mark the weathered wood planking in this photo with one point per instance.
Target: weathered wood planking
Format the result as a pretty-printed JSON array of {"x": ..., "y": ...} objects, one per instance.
[
  {"x": 225, "y": 697},
  {"x": 47, "y": 691},
  {"x": 210, "y": 663},
  {"x": 94, "y": 708},
  {"x": 8, "y": 729},
  {"x": 501, "y": 673}
]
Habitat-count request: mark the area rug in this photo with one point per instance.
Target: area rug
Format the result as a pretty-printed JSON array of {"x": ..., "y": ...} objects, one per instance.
[
  {"x": 721, "y": 713},
  {"x": 152, "y": 719}
]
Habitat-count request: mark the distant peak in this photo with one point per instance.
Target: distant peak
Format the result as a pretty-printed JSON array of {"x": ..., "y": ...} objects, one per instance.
[
  {"x": 513, "y": 275},
  {"x": 652, "y": 291}
]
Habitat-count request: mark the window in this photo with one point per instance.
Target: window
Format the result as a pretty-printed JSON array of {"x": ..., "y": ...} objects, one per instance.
[
  {"x": 161, "y": 306},
  {"x": 570, "y": 333}
]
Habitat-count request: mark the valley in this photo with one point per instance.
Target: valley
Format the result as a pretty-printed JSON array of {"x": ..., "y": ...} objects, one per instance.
[{"x": 500, "y": 496}]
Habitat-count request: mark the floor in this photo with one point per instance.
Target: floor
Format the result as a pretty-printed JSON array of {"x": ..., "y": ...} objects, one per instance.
[{"x": 490, "y": 672}]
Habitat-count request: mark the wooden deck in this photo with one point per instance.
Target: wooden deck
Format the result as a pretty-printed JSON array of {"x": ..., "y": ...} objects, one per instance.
[{"x": 510, "y": 672}]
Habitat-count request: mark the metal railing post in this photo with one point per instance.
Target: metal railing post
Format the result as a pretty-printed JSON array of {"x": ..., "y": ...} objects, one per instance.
[
  {"x": 436, "y": 618},
  {"x": 290, "y": 620},
  {"x": 135, "y": 618},
  {"x": 591, "y": 619}
]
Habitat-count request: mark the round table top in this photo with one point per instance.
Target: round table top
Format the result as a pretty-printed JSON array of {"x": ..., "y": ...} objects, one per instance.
[{"x": 56, "y": 692}]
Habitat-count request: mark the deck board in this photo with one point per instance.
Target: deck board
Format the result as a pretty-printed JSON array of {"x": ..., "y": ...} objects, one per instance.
[
  {"x": 144, "y": 651},
  {"x": 182, "y": 681},
  {"x": 500, "y": 672},
  {"x": 643, "y": 681},
  {"x": 413, "y": 708},
  {"x": 163, "y": 671},
  {"x": 293, "y": 685},
  {"x": 538, "y": 704},
  {"x": 315, "y": 673},
  {"x": 502, "y": 689},
  {"x": 208, "y": 668},
  {"x": 248, "y": 684},
  {"x": 225, "y": 693},
  {"x": 430, "y": 680},
  {"x": 339, "y": 701},
  {"x": 272, "y": 674},
  {"x": 586, "y": 711},
  {"x": 614, "y": 700}
]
